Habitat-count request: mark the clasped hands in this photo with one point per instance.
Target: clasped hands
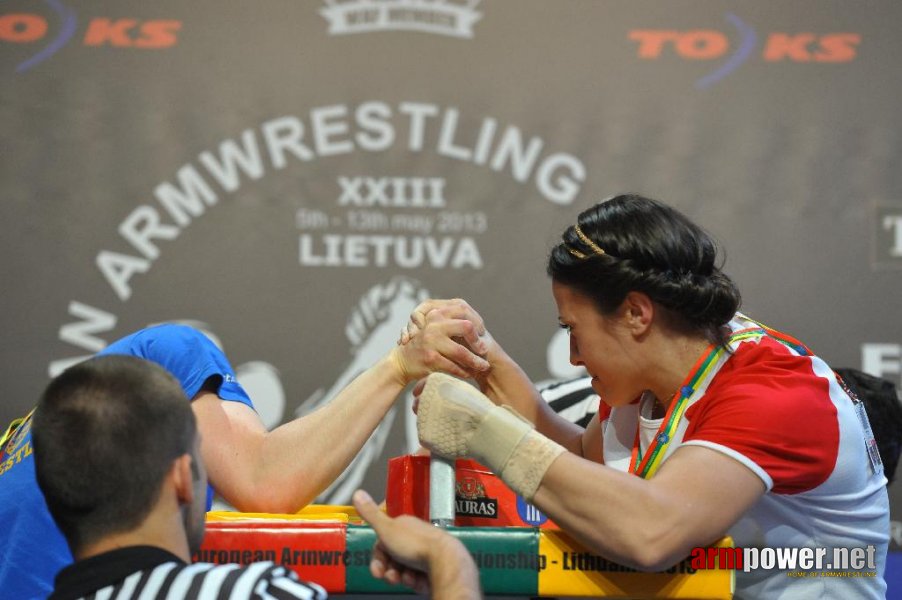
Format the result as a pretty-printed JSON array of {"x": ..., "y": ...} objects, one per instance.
[
  {"x": 454, "y": 419},
  {"x": 445, "y": 336}
]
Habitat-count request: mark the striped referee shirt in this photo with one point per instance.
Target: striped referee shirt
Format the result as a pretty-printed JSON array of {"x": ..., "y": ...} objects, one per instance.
[
  {"x": 573, "y": 399},
  {"x": 150, "y": 573}
]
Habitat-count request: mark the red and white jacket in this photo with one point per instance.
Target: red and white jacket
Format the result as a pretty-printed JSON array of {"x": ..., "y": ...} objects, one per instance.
[{"x": 783, "y": 413}]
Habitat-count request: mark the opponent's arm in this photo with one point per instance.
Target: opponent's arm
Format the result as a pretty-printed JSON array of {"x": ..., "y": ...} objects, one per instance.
[{"x": 285, "y": 469}]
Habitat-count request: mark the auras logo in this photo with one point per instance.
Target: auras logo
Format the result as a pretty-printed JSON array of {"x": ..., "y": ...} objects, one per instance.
[
  {"x": 54, "y": 30},
  {"x": 742, "y": 43}
]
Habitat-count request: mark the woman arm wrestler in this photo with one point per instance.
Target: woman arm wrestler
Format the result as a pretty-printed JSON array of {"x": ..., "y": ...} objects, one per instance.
[
  {"x": 746, "y": 411},
  {"x": 629, "y": 347},
  {"x": 622, "y": 517}
]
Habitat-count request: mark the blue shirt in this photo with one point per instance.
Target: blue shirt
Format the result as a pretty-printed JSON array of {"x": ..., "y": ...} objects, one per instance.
[{"x": 32, "y": 549}]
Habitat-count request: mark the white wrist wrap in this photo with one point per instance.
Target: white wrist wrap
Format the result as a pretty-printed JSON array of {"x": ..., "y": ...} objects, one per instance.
[{"x": 454, "y": 419}]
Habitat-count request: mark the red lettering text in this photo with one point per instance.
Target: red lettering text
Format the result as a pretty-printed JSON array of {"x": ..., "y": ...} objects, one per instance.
[
  {"x": 651, "y": 41},
  {"x": 131, "y": 33},
  {"x": 22, "y": 28},
  {"x": 702, "y": 44},
  {"x": 837, "y": 47},
  {"x": 107, "y": 32},
  {"x": 716, "y": 558},
  {"x": 158, "y": 34},
  {"x": 782, "y": 46}
]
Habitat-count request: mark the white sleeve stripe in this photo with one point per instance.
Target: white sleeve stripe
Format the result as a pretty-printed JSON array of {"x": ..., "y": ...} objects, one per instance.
[
  {"x": 155, "y": 581},
  {"x": 749, "y": 463},
  {"x": 105, "y": 593},
  {"x": 581, "y": 409},
  {"x": 213, "y": 580},
  {"x": 247, "y": 581},
  {"x": 299, "y": 589},
  {"x": 182, "y": 582},
  {"x": 129, "y": 585},
  {"x": 204, "y": 580},
  {"x": 558, "y": 390}
]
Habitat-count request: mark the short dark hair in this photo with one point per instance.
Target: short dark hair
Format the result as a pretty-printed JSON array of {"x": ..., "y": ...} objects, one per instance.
[
  {"x": 105, "y": 432},
  {"x": 652, "y": 248}
]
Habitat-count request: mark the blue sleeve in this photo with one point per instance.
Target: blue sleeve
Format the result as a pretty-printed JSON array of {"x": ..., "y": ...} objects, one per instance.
[{"x": 186, "y": 353}]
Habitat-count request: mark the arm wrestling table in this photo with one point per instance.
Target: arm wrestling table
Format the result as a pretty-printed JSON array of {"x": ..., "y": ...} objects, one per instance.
[{"x": 517, "y": 549}]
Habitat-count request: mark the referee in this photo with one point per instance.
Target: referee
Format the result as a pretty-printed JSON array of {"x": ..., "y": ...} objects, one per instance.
[{"x": 117, "y": 458}]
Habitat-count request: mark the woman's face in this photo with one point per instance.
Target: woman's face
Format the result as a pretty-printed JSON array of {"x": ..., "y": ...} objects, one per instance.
[{"x": 603, "y": 345}]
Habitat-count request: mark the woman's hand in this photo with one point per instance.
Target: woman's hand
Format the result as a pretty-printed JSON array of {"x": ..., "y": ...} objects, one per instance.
[{"x": 445, "y": 336}]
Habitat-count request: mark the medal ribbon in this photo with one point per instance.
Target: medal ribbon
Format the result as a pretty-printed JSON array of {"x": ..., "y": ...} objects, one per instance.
[{"x": 646, "y": 466}]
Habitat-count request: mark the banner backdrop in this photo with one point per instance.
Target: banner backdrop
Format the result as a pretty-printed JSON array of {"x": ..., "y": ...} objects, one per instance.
[{"x": 293, "y": 177}]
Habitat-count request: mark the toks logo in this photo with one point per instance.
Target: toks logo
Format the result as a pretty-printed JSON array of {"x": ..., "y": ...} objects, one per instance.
[
  {"x": 27, "y": 28},
  {"x": 711, "y": 44}
]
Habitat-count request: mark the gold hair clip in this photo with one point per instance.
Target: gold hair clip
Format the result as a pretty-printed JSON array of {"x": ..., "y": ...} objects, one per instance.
[
  {"x": 588, "y": 242},
  {"x": 575, "y": 253}
]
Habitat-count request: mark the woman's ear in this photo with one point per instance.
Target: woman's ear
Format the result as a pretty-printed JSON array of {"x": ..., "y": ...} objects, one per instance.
[{"x": 638, "y": 312}]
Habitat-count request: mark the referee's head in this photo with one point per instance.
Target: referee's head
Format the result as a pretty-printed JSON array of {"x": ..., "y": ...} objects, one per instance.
[{"x": 107, "y": 434}]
